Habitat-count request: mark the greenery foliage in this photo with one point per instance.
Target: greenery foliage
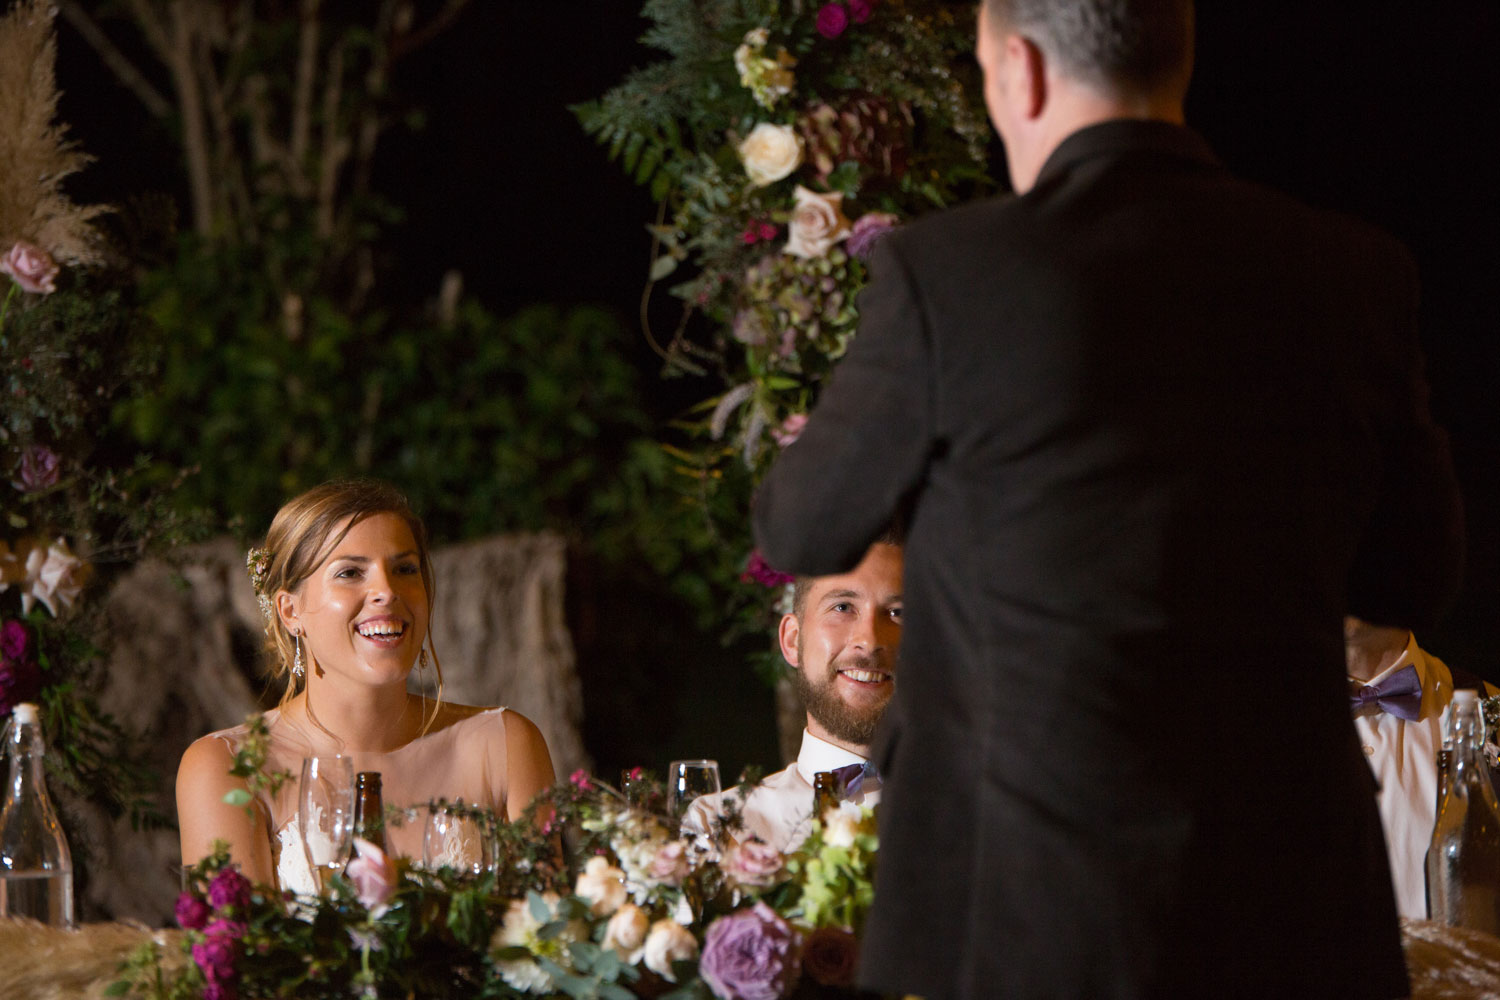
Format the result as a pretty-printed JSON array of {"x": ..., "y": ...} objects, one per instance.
[{"x": 629, "y": 908}]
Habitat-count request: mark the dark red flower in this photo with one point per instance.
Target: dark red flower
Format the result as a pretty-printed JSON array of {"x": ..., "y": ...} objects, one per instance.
[
  {"x": 229, "y": 889},
  {"x": 859, "y": 10},
  {"x": 192, "y": 912}
]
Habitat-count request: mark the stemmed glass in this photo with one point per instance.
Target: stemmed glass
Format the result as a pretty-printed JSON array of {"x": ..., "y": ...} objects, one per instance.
[
  {"x": 688, "y": 779},
  {"x": 325, "y": 814},
  {"x": 453, "y": 840}
]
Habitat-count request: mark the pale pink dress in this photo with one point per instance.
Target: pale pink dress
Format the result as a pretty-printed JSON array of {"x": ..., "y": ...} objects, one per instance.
[{"x": 464, "y": 759}]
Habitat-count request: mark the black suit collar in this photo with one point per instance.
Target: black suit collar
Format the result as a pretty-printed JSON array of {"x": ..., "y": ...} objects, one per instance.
[{"x": 1125, "y": 135}]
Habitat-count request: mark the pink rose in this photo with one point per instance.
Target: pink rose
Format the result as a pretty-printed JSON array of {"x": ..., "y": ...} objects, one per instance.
[
  {"x": 790, "y": 429},
  {"x": 859, "y": 10},
  {"x": 31, "y": 267},
  {"x": 580, "y": 778},
  {"x": 670, "y": 865},
  {"x": 373, "y": 875},
  {"x": 754, "y": 863},
  {"x": 832, "y": 20}
]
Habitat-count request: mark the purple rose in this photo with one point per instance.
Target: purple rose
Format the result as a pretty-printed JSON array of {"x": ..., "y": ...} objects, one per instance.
[
  {"x": 867, "y": 231},
  {"x": 750, "y": 955},
  {"x": 40, "y": 468},
  {"x": 828, "y": 956},
  {"x": 229, "y": 889},
  {"x": 192, "y": 912},
  {"x": 15, "y": 642},
  {"x": 859, "y": 10},
  {"x": 832, "y": 20}
]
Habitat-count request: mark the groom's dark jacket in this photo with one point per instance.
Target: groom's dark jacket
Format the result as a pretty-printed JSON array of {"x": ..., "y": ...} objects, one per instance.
[{"x": 1158, "y": 430}]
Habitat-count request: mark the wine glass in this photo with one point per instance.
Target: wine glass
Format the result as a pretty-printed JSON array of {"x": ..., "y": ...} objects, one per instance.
[
  {"x": 454, "y": 840},
  {"x": 325, "y": 813},
  {"x": 688, "y": 779}
]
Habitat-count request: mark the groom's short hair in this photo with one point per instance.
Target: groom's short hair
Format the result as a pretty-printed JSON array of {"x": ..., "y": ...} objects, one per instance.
[{"x": 1132, "y": 46}]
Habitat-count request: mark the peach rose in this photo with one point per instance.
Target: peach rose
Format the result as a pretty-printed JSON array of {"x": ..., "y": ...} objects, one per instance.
[
  {"x": 602, "y": 886},
  {"x": 668, "y": 942},
  {"x": 818, "y": 222},
  {"x": 54, "y": 576}
]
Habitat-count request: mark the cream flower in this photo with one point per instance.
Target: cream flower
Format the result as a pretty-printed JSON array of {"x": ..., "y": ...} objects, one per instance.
[
  {"x": 54, "y": 576},
  {"x": 602, "y": 886},
  {"x": 818, "y": 222},
  {"x": 626, "y": 931},
  {"x": 668, "y": 942},
  {"x": 767, "y": 79},
  {"x": 841, "y": 825},
  {"x": 520, "y": 929},
  {"x": 770, "y": 152}
]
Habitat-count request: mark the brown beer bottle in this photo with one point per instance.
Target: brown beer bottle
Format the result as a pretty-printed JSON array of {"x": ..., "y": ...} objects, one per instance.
[
  {"x": 369, "y": 811},
  {"x": 825, "y": 793}
]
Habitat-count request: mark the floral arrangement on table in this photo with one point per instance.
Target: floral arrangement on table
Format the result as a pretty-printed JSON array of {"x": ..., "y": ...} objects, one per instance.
[
  {"x": 73, "y": 346},
  {"x": 629, "y": 908},
  {"x": 782, "y": 139}
]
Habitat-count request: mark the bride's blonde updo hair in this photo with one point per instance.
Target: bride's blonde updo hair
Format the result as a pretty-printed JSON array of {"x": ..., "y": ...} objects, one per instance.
[{"x": 301, "y": 537}]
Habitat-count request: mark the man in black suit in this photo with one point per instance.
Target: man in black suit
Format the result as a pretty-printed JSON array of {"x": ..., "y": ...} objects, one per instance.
[{"x": 1157, "y": 430}]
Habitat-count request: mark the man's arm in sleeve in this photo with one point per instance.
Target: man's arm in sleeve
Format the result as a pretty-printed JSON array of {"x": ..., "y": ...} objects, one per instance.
[
  {"x": 865, "y": 448},
  {"x": 1409, "y": 564}
]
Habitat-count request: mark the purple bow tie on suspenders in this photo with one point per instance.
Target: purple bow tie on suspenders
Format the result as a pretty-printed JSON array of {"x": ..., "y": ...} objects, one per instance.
[{"x": 1399, "y": 694}]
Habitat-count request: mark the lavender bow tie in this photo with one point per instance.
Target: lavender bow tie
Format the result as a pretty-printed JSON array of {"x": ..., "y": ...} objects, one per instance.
[
  {"x": 850, "y": 777},
  {"x": 1399, "y": 694}
]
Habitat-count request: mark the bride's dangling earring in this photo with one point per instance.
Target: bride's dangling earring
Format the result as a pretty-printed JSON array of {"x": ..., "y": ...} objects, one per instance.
[
  {"x": 297, "y": 659},
  {"x": 422, "y": 661}
]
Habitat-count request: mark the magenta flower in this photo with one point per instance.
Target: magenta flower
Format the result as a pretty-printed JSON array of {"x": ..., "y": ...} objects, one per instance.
[
  {"x": 40, "y": 468},
  {"x": 15, "y": 642},
  {"x": 757, "y": 570},
  {"x": 832, "y": 20},
  {"x": 580, "y": 778},
  {"x": 750, "y": 955},
  {"x": 192, "y": 912},
  {"x": 229, "y": 889},
  {"x": 859, "y": 10},
  {"x": 216, "y": 953}
]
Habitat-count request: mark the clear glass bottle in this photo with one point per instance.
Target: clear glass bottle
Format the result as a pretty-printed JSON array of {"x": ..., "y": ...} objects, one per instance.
[
  {"x": 36, "y": 868},
  {"x": 1463, "y": 860}
]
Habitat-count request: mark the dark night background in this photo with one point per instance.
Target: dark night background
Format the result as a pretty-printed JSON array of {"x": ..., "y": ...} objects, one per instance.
[{"x": 1386, "y": 110}]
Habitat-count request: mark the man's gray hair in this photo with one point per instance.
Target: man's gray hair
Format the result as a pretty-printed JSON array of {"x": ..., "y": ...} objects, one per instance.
[{"x": 1130, "y": 46}]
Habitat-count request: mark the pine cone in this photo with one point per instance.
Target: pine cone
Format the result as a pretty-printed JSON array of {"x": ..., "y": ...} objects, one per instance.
[{"x": 866, "y": 129}]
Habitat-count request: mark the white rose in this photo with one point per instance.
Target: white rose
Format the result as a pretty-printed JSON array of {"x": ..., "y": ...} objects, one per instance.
[
  {"x": 841, "y": 825},
  {"x": 626, "y": 932},
  {"x": 602, "y": 886},
  {"x": 818, "y": 222},
  {"x": 770, "y": 152},
  {"x": 54, "y": 576},
  {"x": 669, "y": 942}
]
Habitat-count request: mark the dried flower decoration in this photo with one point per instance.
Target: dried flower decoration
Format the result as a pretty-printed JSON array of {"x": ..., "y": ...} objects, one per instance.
[
  {"x": 258, "y": 564},
  {"x": 35, "y": 155}
]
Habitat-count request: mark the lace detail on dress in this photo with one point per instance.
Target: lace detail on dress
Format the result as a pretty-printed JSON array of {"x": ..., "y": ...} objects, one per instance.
[{"x": 293, "y": 873}]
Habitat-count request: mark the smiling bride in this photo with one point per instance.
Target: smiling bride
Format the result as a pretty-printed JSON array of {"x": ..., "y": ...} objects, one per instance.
[{"x": 345, "y": 582}]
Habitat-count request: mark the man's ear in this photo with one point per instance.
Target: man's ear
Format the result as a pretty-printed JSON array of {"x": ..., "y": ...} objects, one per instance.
[
  {"x": 1027, "y": 65},
  {"x": 286, "y": 610},
  {"x": 790, "y": 629}
]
